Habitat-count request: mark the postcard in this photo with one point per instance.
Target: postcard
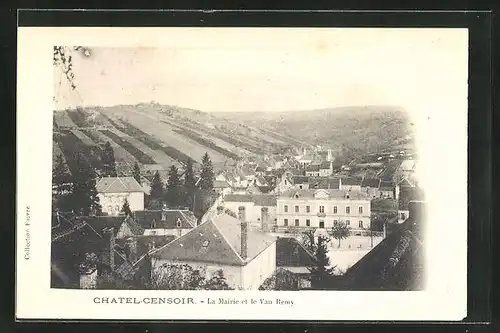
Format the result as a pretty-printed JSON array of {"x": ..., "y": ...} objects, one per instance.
[{"x": 245, "y": 174}]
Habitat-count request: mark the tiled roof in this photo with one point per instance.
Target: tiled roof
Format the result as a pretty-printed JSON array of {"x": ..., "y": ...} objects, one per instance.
[
  {"x": 370, "y": 182},
  {"x": 300, "y": 179},
  {"x": 257, "y": 199},
  {"x": 264, "y": 200},
  {"x": 118, "y": 185},
  {"x": 238, "y": 198},
  {"x": 331, "y": 194},
  {"x": 290, "y": 252},
  {"x": 386, "y": 185},
  {"x": 216, "y": 241},
  {"x": 405, "y": 182},
  {"x": 324, "y": 183},
  {"x": 145, "y": 219},
  {"x": 307, "y": 157},
  {"x": 221, "y": 184},
  {"x": 325, "y": 165},
  {"x": 394, "y": 264},
  {"x": 407, "y": 194},
  {"x": 351, "y": 181},
  {"x": 312, "y": 168},
  {"x": 261, "y": 180},
  {"x": 98, "y": 223}
]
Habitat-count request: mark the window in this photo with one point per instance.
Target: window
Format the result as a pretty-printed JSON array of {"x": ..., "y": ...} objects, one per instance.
[
  {"x": 296, "y": 196},
  {"x": 321, "y": 209},
  {"x": 335, "y": 223},
  {"x": 308, "y": 223},
  {"x": 110, "y": 209},
  {"x": 178, "y": 223},
  {"x": 163, "y": 216},
  {"x": 360, "y": 209},
  {"x": 300, "y": 186},
  {"x": 296, "y": 222},
  {"x": 322, "y": 224},
  {"x": 285, "y": 182},
  {"x": 285, "y": 208},
  {"x": 205, "y": 243},
  {"x": 308, "y": 209},
  {"x": 361, "y": 224},
  {"x": 117, "y": 209},
  {"x": 347, "y": 223},
  {"x": 334, "y": 209},
  {"x": 348, "y": 210},
  {"x": 403, "y": 216},
  {"x": 296, "y": 209},
  {"x": 285, "y": 222}
]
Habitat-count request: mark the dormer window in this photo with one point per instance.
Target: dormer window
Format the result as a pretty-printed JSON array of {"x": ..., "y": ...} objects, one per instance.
[
  {"x": 205, "y": 243},
  {"x": 153, "y": 224},
  {"x": 163, "y": 216},
  {"x": 178, "y": 223}
]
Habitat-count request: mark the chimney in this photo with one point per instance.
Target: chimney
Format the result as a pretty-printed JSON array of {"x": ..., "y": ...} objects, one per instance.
[
  {"x": 131, "y": 247},
  {"x": 241, "y": 213},
  {"x": 220, "y": 210},
  {"x": 109, "y": 249},
  {"x": 244, "y": 240},
  {"x": 265, "y": 219}
]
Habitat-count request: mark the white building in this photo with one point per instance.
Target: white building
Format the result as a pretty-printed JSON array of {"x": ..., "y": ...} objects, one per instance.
[
  {"x": 246, "y": 256},
  {"x": 323, "y": 208},
  {"x": 112, "y": 192}
]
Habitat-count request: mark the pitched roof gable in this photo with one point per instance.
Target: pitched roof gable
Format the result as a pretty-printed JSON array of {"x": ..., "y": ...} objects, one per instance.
[
  {"x": 370, "y": 182},
  {"x": 118, "y": 185},
  {"x": 145, "y": 219},
  {"x": 351, "y": 181},
  {"x": 215, "y": 241}
]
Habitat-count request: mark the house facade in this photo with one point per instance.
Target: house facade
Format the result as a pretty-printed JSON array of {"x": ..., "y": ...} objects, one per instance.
[
  {"x": 322, "y": 209},
  {"x": 113, "y": 191},
  {"x": 246, "y": 256}
]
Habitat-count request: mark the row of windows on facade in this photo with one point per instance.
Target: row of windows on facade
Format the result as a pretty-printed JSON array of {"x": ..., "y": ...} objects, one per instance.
[
  {"x": 322, "y": 209},
  {"x": 321, "y": 223}
]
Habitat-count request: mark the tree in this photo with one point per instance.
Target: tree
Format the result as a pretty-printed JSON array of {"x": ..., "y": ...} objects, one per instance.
[
  {"x": 217, "y": 282},
  {"x": 108, "y": 161},
  {"x": 157, "y": 189},
  {"x": 340, "y": 231},
  {"x": 61, "y": 184},
  {"x": 136, "y": 173},
  {"x": 320, "y": 271},
  {"x": 126, "y": 208},
  {"x": 207, "y": 174},
  {"x": 177, "y": 277},
  {"x": 189, "y": 184},
  {"x": 173, "y": 195},
  {"x": 84, "y": 199},
  {"x": 308, "y": 240},
  {"x": 282, "y": 279}
]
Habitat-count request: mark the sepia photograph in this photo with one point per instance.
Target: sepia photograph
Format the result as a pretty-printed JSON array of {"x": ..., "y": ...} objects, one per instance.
[
  {"x": 150, "y": 195},
  {"x": 237, "y": 161}
]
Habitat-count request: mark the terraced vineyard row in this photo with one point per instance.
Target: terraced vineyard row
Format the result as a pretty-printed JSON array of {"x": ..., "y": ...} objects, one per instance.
[
  {"x": 150, "y": 141},
  {"x": 138, "y": 154},
  {"x": 79, "y": 118},
  {"x": 233, "y": 141},
  {"x": 205, "y": 142},
  {"x": 70, "y": 144}
]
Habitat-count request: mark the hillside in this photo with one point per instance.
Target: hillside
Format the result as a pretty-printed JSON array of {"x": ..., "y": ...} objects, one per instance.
[
  {"x": 361, "y": 129},
  {"x": 158, "y": 136}
]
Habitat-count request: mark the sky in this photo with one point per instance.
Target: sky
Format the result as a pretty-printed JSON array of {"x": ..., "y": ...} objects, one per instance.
[{"x": 270, "y": 70}]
